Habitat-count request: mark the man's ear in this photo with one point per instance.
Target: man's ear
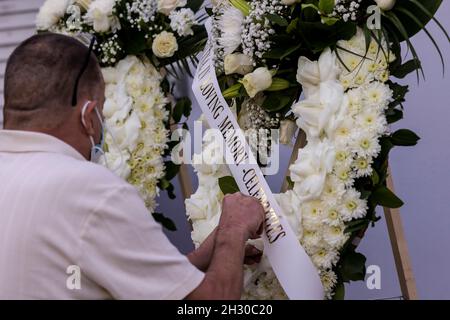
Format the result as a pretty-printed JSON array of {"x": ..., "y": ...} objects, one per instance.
[{"x": 88, "y": 116}]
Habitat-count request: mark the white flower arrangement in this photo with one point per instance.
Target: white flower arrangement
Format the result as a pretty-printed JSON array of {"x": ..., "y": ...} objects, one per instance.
[
  {"x": 135, "y": 115},
  {"x": 343, "y": 127}
]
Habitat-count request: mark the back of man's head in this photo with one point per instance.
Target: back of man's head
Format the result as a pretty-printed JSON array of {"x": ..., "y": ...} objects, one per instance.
[{"x": 40, "y": 81}]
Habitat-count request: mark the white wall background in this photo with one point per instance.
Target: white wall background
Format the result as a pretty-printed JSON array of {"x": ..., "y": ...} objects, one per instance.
[{"x": 421, "y": 174}]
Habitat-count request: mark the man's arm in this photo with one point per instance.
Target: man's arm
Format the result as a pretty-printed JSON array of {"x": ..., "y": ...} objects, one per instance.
[
  {"x": 241, "y": 220},
  {"x": 202, "y": 256}
]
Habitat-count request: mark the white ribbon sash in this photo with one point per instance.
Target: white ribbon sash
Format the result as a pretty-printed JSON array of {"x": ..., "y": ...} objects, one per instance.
[{"x": 292, "y": 266}]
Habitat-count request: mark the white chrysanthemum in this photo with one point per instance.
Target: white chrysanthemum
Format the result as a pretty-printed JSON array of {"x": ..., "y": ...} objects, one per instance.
[
  {"x": 333, "y": 190},
  {"x": 334, "y": 236},
  {"x": 332, "y": 217},
  {"x": 325, "y": 258},
  {"x": 378, "y": 95},
  {"x": 353, "y": 207},
  {"x": 182, "y": 21},
  {"x": 355, "y": 101},
  {"x": 344, "y": 157},
  {"x": 50, "y": 13},
  {"x": 371, "y": 120},
  {"x": 261, "y": 283},
  {"x": 312, "y": 214},
  {"x": 366, "y": 144},
  {"x": 345, "y": 174},
  {"x": 329, "y": 280},
  {"x": 363, "y": 167},
  {"x": 230, "y": 24},
  {"x": 343, "y": 133},
  {"x": 310, "y": 240}
]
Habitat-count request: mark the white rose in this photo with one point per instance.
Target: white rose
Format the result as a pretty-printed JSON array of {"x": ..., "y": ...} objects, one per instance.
[
  {"x": 100, "y": 16},
  {"x": 317, "y": 113},
  {"x": 385, "y": 5},
  {"x": 238, "y": 63},
  {"x": 257, "y": 81},
  {"x": 182, "y": 21},
  {"x": 164, "y": 45},
  {"x": 50, "y": 13},
  {"x": 167, "y": 6},
  {"x": 315, "y": 161}
]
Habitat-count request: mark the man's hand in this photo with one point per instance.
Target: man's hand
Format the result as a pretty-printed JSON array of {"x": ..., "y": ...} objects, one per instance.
[
  {"x": 242, "y": 213},
  {"x": 242, "y": 219}
]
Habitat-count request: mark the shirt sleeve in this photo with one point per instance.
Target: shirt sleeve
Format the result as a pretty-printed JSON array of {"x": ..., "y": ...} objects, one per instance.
[{"x": 124, "y": 251}]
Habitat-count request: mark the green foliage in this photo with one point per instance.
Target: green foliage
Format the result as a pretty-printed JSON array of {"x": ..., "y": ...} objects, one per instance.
[
  {"x": 183, "y": 107},
  {"x": 166, "y": 222},
  {"x": 384, "y": 197},
  {"x": 352, "y": 267},
  {"x": 404, "y": 137},
  {"x": 228, "y": 185}
]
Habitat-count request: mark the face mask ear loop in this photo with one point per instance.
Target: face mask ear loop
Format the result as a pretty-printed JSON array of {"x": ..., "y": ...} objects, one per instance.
[{"x": 83, "y": 111}]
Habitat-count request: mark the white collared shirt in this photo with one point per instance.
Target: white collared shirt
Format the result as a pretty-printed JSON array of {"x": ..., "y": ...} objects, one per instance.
[{"x": 59, "y": 212}]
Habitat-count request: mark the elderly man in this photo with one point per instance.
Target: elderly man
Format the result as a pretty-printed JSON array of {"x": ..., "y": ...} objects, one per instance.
[{"x": 61, "y": 213}]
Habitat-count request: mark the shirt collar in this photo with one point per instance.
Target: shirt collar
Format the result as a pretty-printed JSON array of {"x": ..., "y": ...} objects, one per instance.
[{"x": 18, "y": 141}]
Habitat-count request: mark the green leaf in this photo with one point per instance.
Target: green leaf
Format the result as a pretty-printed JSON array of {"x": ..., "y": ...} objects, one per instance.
[
  {"x": 163, "y": 184},
  {"x": 228, "y": 185},
  {"x": 194, "y": 5},
  {"x": 339, "y": 291},
  {"x": 402, "y": 71},
  {"x": 318, "y": 36},
  {"x": 166, "y": 222},
  {"x": 375, "y": 178},
  {"x": 329, "y": 21},
  {"x": 183, "y": 107},
  {"x": 276, "y": 19},
  {"x": 404, "y": 137},
  {"x": 276, "y": 102},
  {"x": 171, "y": 170},
  {"x": 394, "y": 115},
  {"x": 353, "y": 266},
  {"x": 326, "y": 6},
  {"x": 423, "y": 10},
  {"x": 292, "y": 25},
  {"x": 280, "y": 52},
  {"x": 386, "y": 198}
]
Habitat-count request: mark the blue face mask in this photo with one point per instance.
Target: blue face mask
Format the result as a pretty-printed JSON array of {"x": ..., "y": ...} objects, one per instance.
[{"x": 96, "y": 149}]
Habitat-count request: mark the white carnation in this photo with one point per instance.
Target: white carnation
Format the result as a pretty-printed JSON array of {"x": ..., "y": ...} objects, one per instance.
[
  {"x": 100, "y": 16},
  {"x": 230, "y": 24},
  {"x": 50, "y": 13},
  {"x": 182, "y": 21}
]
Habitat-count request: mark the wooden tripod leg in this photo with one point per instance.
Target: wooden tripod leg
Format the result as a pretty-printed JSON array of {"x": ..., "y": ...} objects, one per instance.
[
  {"x": 185, "y": 182},
  {"x": 299, "y": 143},
  {"x": 400, "y": 249}
]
